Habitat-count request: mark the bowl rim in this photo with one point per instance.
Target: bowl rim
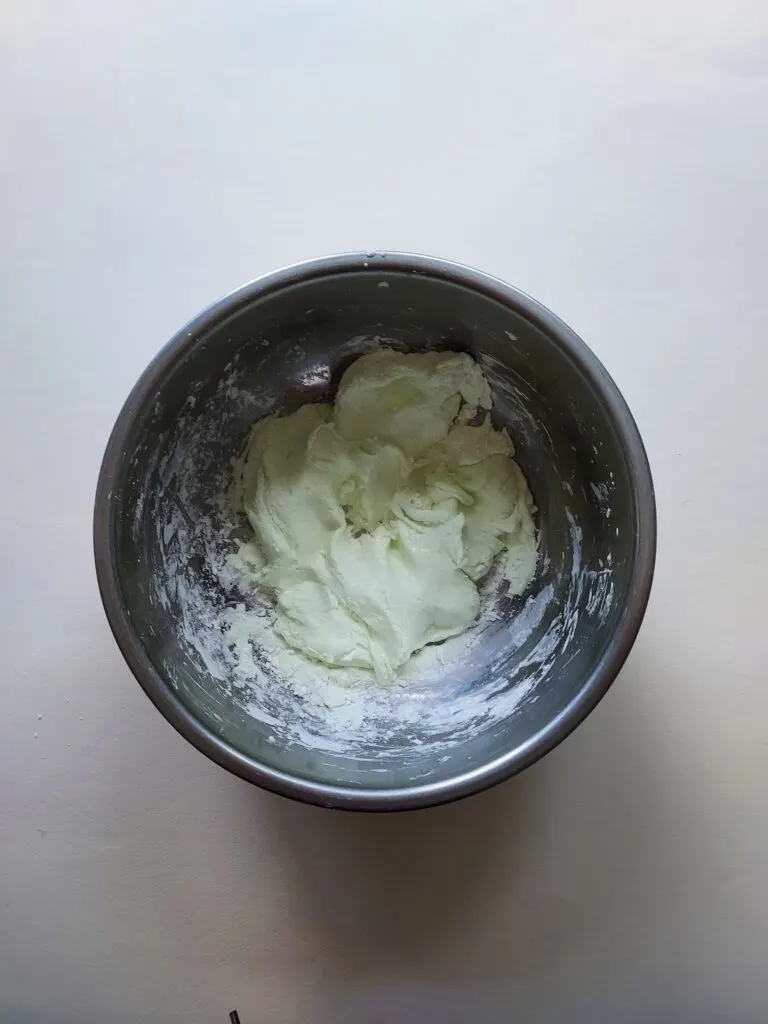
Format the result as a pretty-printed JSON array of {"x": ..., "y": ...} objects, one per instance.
[{"x": 482, "y": 776}]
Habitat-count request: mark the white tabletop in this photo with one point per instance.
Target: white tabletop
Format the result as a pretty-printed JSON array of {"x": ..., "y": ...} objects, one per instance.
[{"x": 609, "y": 158}]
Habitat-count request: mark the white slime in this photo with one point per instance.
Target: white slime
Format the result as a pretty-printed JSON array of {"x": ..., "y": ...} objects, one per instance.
[{"x": 375, "y": 517}]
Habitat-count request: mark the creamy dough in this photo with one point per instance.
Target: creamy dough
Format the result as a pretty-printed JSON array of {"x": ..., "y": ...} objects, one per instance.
[{"x": 375, "y": 517}]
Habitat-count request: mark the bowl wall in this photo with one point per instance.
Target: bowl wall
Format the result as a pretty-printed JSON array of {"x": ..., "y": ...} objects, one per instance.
[{"x": 529, "y": 675}]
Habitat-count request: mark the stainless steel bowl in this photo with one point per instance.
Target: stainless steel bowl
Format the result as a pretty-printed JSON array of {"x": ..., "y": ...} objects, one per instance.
[{"x": 533, "y": 672}]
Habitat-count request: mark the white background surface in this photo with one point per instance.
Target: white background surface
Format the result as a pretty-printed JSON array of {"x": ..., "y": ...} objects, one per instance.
[{"x": 612, "y": 160}]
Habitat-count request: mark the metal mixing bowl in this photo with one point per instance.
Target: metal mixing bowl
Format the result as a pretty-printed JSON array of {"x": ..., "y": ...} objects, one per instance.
[{"x": 534, "y": 668}]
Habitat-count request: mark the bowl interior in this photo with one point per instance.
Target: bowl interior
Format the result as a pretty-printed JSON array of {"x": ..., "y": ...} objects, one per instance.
[{"x": 477, "y": 699}]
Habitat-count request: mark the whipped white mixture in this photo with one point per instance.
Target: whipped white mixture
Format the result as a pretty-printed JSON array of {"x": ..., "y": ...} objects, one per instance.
[{"x": 375, "y": 517}]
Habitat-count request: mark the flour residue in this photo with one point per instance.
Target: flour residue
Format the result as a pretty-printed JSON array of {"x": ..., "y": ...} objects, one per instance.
[{"x": 231, "y": 657}]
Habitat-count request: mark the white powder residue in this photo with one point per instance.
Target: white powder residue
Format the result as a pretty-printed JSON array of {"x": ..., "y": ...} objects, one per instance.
[{"x": 220, "y": 649}]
